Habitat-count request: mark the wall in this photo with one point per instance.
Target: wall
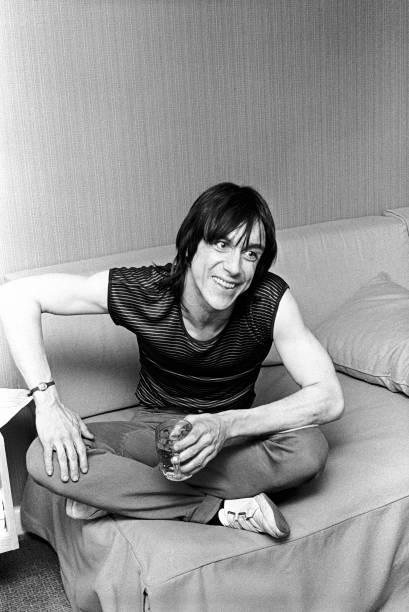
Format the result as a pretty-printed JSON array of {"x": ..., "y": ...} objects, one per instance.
[{"x": 115, "y": 114}]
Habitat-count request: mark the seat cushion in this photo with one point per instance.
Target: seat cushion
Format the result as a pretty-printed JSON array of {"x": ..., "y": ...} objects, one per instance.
[{"x": 353, "y": 516}]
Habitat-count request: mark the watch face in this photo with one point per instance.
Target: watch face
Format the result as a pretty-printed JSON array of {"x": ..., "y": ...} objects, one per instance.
[{"x": 42, "y": 386}]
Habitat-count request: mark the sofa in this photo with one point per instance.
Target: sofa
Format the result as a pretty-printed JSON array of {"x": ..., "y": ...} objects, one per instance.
[{"x": 349, "y": 545}]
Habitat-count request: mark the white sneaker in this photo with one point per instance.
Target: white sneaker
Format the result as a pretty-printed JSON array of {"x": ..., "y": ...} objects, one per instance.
[
  {"x": 77, "y": 510},
  {"x": 257, "y": 514}
]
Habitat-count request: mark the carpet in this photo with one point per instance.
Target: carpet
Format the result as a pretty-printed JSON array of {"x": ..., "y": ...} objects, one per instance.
[{"x": 30, "y": 579}]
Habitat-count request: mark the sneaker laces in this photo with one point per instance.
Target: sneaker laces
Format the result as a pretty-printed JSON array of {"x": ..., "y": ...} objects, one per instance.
[{"x": 242, "y": 520}]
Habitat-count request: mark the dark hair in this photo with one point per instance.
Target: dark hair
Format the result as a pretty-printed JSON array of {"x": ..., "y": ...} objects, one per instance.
[{"x": 217, "y": 212}]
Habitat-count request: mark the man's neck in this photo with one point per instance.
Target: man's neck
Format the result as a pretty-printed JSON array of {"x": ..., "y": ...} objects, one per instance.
[{"x": 204, "y": 325}]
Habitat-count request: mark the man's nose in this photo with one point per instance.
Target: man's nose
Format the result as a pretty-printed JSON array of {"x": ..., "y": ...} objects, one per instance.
[{"x": 232, "y": 262}]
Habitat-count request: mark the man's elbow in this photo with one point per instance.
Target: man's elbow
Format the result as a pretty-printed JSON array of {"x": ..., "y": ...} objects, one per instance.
[
  {"x": 337, "y": 408},
  {"x": 5, "y": 297},
  {"x": 10, "y": 296},
  {"x": 21, "y": 292},
  {"x": 333, "y": 404}
]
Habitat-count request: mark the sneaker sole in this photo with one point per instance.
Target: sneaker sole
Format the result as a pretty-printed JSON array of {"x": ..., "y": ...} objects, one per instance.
[
  {"x": 79, "y": 511},
  {"x": 280, "y": 529}
]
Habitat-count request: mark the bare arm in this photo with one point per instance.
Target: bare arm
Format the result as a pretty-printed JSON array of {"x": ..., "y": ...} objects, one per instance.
[
  {"x": 22, "y": 303},
  {"x": 319, "y": 399}
]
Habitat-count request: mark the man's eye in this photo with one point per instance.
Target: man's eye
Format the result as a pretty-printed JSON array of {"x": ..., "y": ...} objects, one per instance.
[
  {"x": 251, "y": 255},
  {"x": 221, "y": 244}
]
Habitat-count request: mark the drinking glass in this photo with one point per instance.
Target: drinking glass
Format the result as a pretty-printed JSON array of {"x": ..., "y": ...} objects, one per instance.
[{"x": 167, "y": 433}]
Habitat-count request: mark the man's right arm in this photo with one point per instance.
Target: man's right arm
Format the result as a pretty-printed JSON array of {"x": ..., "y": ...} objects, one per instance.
[{"x": 22, "y": 302}]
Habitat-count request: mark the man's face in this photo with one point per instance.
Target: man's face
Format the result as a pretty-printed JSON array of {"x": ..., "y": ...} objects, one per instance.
[{"x": 220, "y": 272}]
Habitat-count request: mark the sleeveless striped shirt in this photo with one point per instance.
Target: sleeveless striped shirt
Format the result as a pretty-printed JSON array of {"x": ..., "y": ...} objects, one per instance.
[{"x": 178, "y": 371}]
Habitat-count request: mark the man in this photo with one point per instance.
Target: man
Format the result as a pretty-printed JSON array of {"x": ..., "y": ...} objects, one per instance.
[{"x": 204, "y": 325}]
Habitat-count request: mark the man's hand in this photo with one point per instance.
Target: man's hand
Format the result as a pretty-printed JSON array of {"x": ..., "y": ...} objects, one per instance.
[
  {"x": 61, "y": 430},
  {"x": 203, "y": 442}
]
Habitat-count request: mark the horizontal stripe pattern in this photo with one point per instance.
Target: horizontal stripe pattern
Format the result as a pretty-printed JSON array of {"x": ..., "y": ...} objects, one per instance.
[{"x": 178, "y": 370}]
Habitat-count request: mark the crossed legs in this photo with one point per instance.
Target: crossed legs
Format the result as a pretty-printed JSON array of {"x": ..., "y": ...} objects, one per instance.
[{"x": 123, "y": 476}]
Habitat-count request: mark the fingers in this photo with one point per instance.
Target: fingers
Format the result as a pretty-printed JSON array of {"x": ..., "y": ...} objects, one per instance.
[
  {"x": 63, "y": 434},
  {"x": 202, "y": 448},
  {"x": 202, "y": 434},
  {"x": 63, "y": 463},
  {"x": 194, "y": 435},
  {"x": 82, "y": 455},
  {"x": 68, "y": 461},
  {"x": 186, "y": 442},
  {"x": 199, "y": 461},
  {"x": 85, "y": 431},
  {"x": 71, "y": 456},
  {"x": 48, "y": 459},
  {"x": 193, "y": 446},
  {"x": 201, "y": 444}
]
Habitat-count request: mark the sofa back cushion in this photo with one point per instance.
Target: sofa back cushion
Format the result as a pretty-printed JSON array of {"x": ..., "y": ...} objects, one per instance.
[
  {"x": 95, "y": 363},
  {"x": 325, "y": 263}
]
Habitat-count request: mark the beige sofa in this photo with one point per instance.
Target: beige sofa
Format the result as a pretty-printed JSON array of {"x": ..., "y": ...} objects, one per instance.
[{"x": 349, "y": 545}]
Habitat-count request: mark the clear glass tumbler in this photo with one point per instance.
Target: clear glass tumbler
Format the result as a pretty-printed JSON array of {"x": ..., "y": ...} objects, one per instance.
[{"x": 167, "y": 433}]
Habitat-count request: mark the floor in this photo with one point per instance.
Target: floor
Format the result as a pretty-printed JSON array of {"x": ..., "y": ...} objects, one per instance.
[{"x": 30, "y": 579}]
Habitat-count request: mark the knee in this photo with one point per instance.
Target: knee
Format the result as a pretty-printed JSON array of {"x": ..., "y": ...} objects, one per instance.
[
  {"x": 35, "y": 461},
  {"x": 313, "y": 452},
  {"x": 304, "y": 452}
]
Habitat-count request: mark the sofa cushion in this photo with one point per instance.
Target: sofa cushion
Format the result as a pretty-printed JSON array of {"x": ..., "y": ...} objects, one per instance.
[
  {"x": 325, "y": 263},
  {"x": 368, "y": 336}
]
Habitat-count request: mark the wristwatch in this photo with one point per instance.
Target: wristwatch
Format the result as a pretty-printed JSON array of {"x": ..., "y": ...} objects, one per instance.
[{"x": 42, "y": 386}]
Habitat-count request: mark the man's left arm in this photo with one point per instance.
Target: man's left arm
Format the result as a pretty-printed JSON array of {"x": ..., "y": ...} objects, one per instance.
[{"x": 319, "y": 399}]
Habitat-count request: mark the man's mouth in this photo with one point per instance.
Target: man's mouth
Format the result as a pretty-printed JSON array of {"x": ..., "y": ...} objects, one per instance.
[{"x": 223, "y": 283}]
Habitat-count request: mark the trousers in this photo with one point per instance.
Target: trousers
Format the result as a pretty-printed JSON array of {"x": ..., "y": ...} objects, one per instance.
[{"x": 123, "y": 475}]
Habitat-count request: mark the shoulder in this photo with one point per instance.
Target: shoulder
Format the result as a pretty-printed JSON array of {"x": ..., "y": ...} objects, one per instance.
[
  {"x": 145, "y": 274},
  {"x": 138, "y": 293},
  {"x": 144, "y": 278},
  {"x": 271, "y": 287},
  {"x": 261, "y": 305},
  {"x": 289, "y": 320}
]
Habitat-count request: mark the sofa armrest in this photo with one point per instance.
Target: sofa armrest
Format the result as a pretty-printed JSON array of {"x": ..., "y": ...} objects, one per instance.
[{"x": 399, "y": 213}]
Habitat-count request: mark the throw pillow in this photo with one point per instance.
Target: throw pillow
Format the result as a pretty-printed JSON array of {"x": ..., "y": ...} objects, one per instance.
[{"x": 368, "y": 336}]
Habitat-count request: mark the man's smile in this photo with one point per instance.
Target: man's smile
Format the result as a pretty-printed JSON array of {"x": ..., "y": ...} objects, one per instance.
[
  {"x": 223, "y": 283},
  {"x": 220, "y": 272}
]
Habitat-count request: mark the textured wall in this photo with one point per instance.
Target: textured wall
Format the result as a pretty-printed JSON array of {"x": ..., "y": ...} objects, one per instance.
[{"x": 115, "y": 114}]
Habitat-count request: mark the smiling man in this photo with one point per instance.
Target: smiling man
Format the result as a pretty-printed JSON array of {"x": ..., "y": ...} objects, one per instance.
[{"x": 204, "y": 325}]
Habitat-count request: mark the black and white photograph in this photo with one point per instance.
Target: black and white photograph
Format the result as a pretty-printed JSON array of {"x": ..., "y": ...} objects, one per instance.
[{"x": 204, "y": 306}]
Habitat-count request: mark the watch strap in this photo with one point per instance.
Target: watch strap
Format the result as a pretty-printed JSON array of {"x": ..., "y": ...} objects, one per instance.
[{"x": 42, "y": 386}]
